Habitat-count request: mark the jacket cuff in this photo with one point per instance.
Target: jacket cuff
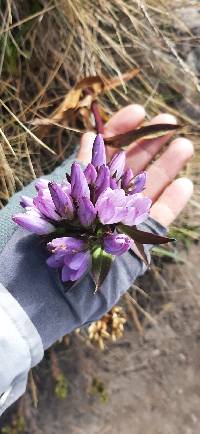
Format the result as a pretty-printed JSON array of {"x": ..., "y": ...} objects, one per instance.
[{"x": 20, "y": 349}]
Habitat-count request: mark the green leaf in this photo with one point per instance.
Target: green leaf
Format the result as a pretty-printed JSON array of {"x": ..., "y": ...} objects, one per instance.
[
  {"x": 147, "y": 132},
  {"x": 101, "y": 263},
  {"x": 165, "y": 253},
  {"x": 143, "y": 237}
]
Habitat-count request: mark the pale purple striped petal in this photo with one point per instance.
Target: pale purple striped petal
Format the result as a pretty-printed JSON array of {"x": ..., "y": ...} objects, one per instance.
[
  {"x": 62, "y": 201},
  {"x": 117, "y": 165},
  {"x": 86, "y": 211},
  {"x": 98, "y": 151},
  {"x": 33, "y": 222},
  {"x": 79, "y": 185},
  {"x": 116, "y": 244}
]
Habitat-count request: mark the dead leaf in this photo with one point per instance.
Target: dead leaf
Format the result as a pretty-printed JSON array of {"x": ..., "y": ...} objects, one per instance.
[
  {"x": 77, "y": 98},
  {"x": 147, "y": 132}
]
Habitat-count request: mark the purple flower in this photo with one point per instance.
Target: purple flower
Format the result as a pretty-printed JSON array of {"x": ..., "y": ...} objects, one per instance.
[
  {"x": 75, "y": 266},
  {"x": 43, "y": 202},
  {"x": 66, "y": 245},
  {"x": 117, "y": 165},
  {"x": 71, "y": 254},
  {"x": 41, "y": 184},
  {"x": 98, "y": 151},
  {"x": 111, "y": 206},
  {"x": 62, "y": 201},
  {"x": 113, "y": 184},
  {"x": 26, "y": 202},
  {"x": 139, "y": 183},
  {"x": 137, "y": 209},
  {"x": 33, "y": 221},
  {"x": 86, "y": 211},
  {"x": 103, "y": 180},
  {"x": 79, "y": 185},
  {"x": 100, "y": 195},
  {"x": 116, "y": 244},
  {"x": 127, "y": 177},
  {"x": 90, "y": 174}
]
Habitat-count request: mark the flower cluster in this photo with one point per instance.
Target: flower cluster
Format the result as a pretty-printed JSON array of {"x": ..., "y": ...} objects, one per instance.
[{"x": 81, "y": 214}]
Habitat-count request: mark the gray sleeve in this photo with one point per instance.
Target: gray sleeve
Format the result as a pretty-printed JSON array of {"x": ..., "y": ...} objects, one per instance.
[{"x": 53, "y": 308}]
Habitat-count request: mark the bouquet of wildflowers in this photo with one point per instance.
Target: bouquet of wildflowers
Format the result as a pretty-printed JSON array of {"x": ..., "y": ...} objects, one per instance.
[{"x": 92, "y": 216}]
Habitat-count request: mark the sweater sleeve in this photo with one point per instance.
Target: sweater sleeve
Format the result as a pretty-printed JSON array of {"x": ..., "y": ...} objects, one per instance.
[{"x": 21, "y": 349}]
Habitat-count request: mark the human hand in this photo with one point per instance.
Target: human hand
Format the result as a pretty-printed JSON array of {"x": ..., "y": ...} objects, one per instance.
[
  {"x": 169, "y": 196},
  {"x": 38, "y": 288}
]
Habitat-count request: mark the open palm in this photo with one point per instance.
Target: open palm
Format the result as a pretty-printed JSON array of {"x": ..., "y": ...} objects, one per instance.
[{"x": 169, "y": 196}]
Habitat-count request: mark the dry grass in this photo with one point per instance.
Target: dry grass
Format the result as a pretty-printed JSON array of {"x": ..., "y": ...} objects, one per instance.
[{"x": 46, "y": 47}]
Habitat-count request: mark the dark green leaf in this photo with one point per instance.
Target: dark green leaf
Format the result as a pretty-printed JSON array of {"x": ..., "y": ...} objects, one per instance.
[
  {"x": 101, "y": 263},
  {"x": 147, "y": 132},
  {"x": 143, "y": 237},
  {"x": 138, "y": 249}
]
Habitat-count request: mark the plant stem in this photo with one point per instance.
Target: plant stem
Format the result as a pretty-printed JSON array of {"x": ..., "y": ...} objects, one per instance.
[
  {"x": 98, "y": 121},
  {"x": 97, "y": 117}
]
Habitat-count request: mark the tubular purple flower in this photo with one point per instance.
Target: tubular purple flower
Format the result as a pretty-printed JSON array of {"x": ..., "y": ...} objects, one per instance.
[
  {"x": 33, "y": 222},
  {"x": 67, "y": 245},
  {"x": 90, "y": 173},
  {"x": 116, "y": 244},
  {"x": 41, "y": 184},
  {"x": 98, "y": 151},
  {"x": 139, "y": 183},
  {"x": 117, "y": 165},
  {"x": 86, "y": 211},
  {"x": 137, "y": 209},
  {"x": 79, "y": 185},
  {"x": 127, "y": 177},
  {"x": 75, "y": 266},
  {"x": 62, "y": 201},
  {"x": 111, "y": 206},
  {"x": 113, "y": 184},
  {"x": 103, "y": 180},
  {"x": 43, "y": 202},
  {"x": 26, "y": 202}
]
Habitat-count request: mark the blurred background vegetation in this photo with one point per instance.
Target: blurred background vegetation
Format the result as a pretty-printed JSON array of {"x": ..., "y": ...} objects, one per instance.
[{"x": 46, "y": 47}]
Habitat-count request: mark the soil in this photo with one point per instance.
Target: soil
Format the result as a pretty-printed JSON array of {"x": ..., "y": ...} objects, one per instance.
[{"x": 145, "y": 383}]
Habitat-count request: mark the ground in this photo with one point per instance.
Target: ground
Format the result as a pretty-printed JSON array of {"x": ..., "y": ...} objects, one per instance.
[{"x": 144, "y": 384}]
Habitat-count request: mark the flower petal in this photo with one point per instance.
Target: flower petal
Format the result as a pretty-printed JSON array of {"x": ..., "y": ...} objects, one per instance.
[
  {"x": 62, "y": 201},
  {"x": 98, "y": 151},
  {"x": 33, "y": 222},
  {"x": 116, "y": 244},
  {"x": 111, "y": 206},
  {"x": 67, "y": 245},
  {"x": 86, "y": 211},
  {"x": 137, "y": 209},
  {"x": 90, "y": 173},
  {"x": 117, "y": 164},
  {"x": 79, "y": 185},
  {"x": 139, "y": 183},
  {"x": 103, "y": 180},
  {"x": 26, "y": 201}
]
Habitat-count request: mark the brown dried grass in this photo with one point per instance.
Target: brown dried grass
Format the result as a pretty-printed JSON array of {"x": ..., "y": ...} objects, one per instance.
[{"x": 47, "y": 46}]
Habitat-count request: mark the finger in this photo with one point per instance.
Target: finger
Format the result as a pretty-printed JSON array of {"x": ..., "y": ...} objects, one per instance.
[
  {"x": 85, "y": 151},
  {"x": 124, "y": 120},
  {"x": 172, "y": 201},
  {"x": 141, "y": 153},
  {"x": 167, "y": 166}
]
